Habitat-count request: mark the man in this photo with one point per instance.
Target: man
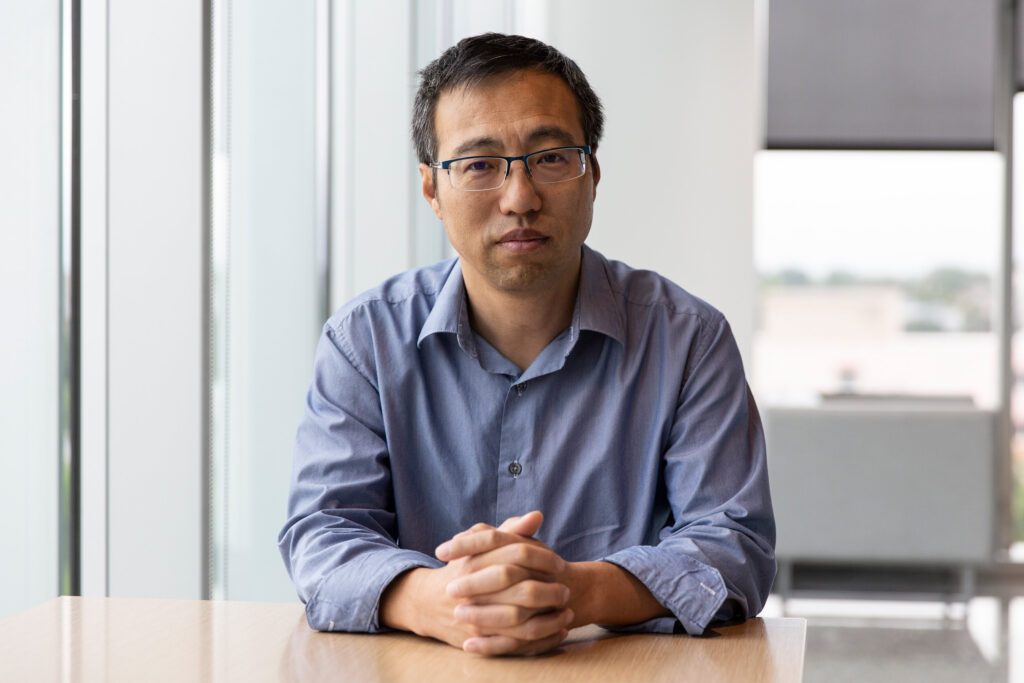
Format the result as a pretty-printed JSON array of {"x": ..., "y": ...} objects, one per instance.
[{"x": 528, "y": 438}]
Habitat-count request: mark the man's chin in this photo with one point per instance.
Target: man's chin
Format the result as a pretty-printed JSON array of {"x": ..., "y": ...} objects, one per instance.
[{"x": 520, "y": 279}]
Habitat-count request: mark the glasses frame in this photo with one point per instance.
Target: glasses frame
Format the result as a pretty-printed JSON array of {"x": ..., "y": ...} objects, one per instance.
[{"x": 446, "y": 166}]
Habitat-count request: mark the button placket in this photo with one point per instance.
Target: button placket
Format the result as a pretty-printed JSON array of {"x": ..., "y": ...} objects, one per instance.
[
  {"x": 515, "y": 468},
  {"x": 516, "y": 430}
]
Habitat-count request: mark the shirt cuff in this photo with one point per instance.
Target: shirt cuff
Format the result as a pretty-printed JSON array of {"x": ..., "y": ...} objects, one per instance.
[
  {"x": 691, "y": 590},
  {"x": 655, "y": 625},
  {"x": 348, "y": 598}
]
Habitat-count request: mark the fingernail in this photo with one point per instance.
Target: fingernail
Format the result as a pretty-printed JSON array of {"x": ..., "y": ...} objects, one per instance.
[
  {"x": 460, "y": 612},
  {"x": 569, "y": 616},
  {"x": 471, "y": 645},
  {"x": 453, "y": 589},
  {"x": 565, "y": 595},
  {"x": 442, "y": 551}
]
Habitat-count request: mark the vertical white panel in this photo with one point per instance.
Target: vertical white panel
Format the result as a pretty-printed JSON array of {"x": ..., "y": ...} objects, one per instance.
[
  {"x": 342, "y": 164},
  {"x": 272, "y": 318},
  {"x": 156, "y": 344},
  {"x": 385, "y": 170},
  {"x": 531, "y": 18},
  {"x": 680, "y": 94},
  {"x": 470, "y": 18},
  {"x": 432, "y": 35},
  {"x": 30, "y": 51},
  {"x": 94, "y": 298}
]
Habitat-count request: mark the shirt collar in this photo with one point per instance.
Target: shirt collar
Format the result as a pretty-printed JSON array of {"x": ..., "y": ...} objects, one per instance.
[
  {"x": 450, "y": 313},
  {"x": 596, "y": 307}
]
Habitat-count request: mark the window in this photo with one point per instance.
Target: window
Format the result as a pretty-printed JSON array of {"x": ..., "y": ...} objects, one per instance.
[{"x": 877, "y": 273}]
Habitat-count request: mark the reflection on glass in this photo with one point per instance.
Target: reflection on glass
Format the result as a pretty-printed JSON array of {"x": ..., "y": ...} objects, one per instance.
[{"x": 29, "y": 307}]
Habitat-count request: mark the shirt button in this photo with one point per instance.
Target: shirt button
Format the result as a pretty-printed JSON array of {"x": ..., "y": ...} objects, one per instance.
[
  {"x": 520, "y": 388},
  {"x": 515, "y": 469}
]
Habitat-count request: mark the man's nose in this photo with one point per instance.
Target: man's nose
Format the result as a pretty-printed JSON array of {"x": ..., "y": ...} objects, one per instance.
[{"x": 518, "y": 193}]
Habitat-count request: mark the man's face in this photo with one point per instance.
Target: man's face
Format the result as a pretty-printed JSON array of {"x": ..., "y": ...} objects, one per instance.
[{"x": 523, "y": 237}]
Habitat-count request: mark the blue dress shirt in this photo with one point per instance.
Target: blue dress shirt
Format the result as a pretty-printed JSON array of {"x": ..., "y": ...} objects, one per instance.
[{"x": 633, "y": 431}]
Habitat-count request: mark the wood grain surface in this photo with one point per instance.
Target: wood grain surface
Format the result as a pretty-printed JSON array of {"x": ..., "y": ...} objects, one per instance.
[{"x": 117, "y": 639}]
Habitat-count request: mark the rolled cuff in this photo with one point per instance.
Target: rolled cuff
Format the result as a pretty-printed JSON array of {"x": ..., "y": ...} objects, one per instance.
[
  {"x": 348, "y": 598},
  {"x": 691, "y": 590}
]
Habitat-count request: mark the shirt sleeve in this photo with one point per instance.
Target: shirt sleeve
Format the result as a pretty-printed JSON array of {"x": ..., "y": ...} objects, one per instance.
[
  {"x": 339, "y": 542},
  {"x": 716, "y": 559}
]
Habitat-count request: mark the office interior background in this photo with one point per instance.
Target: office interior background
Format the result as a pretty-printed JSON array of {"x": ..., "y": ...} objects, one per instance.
[{"x": 187, "y": 190}]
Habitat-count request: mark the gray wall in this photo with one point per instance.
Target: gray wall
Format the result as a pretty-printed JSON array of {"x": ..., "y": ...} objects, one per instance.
[{"x": 679, "y": 84}]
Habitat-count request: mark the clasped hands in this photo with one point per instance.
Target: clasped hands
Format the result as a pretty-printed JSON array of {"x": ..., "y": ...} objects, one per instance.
[{"x": 501, "y": 592}]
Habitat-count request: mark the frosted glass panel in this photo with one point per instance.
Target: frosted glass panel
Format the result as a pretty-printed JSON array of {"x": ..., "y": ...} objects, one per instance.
[
  {"x": 266, "y": 316},
  {"x": 29, "y": 304}
]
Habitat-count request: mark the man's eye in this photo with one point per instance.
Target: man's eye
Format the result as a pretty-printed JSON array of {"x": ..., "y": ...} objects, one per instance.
[
  {"x": 550, "y": 158},
  {"x": 480, "y": 165}
]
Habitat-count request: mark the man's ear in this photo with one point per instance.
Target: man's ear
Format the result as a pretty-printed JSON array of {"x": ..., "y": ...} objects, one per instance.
[
  {"x": 597, "y": 172},
  {"x": 429, "y": 190}
]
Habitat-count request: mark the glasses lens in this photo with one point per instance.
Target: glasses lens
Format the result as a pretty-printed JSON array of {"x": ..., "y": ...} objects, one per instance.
[
  {"x": 477, "y": 173},
  {"x": 556, "y": 165}
]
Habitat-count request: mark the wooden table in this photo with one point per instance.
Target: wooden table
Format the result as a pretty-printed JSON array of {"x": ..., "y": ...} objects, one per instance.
[{"x": 117, "y": 639}]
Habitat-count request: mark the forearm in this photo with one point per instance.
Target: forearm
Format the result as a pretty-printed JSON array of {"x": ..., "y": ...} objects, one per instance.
[
  {"x": 398, "y": 609},
  {"x": 603, "y": 593},
  {"x": 347, "y": 597}
]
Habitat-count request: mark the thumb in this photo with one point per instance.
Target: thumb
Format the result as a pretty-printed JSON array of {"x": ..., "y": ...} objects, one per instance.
[{"x": 526, "y": 525}]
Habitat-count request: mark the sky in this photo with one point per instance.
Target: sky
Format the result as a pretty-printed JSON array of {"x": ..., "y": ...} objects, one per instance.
[{"x": 880, "y": 214}]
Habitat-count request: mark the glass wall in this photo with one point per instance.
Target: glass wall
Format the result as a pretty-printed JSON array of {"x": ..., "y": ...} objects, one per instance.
[
  {"x": 1017, "y": 340},
  {"x": 878, "y": 273},
  {"x": 878, "y": 307},
  {"x": 879, "y": 227},
  {"x": 30, "y": 200}
]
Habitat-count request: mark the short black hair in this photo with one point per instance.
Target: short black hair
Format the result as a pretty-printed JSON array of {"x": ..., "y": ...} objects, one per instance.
[{"x": 477, "y": 58}]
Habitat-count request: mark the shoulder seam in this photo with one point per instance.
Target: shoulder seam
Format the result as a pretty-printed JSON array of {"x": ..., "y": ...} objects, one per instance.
[
  {"x": 345, "y": 347},
  {"x": 362, "y": 303},
  {"x": 696, "y": 311},
  {"x": 706, "y": 338},
  {"x": 669, "y": 306}
]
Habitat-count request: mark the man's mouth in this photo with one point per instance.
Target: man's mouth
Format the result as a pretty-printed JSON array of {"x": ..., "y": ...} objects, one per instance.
[{"x": 522, "y": 240}]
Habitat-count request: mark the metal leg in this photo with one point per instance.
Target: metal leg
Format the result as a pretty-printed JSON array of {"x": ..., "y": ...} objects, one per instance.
[
  {"x": 784, "y": 583},
  {"x": 968, "y": 582},
  {"x": 962, "y": 596}
]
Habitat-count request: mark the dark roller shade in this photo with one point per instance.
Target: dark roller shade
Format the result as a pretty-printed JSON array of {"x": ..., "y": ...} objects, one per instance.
[
  {"x": 881, "y": 74},
  {"x": 1019, "y": 46}
]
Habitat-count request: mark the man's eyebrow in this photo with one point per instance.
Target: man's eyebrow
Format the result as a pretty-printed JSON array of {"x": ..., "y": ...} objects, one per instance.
[
  {"x": 559, "y": 135},
  {"x": 475, "y": 144},
  {"x": 485, "y": 142}
]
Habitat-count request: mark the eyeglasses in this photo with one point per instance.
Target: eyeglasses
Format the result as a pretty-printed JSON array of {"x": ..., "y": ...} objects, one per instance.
[{"x": 555, "y": 165}]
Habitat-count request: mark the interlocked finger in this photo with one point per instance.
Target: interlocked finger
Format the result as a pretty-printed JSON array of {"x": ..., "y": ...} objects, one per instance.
[
  {"x": 491, "y": 579},
  {"x": 530, "y": 555},
  {"x": 504, "y": 645},
  {"x": 479, "y": 526},
  {"x": 528, "y": 593},
  {"x": 479, "y": 538},
  {"x": 539, "y": 627},
  {"x": 516, "y": 621}
]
